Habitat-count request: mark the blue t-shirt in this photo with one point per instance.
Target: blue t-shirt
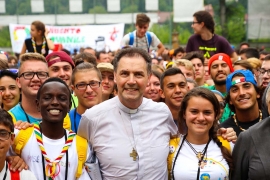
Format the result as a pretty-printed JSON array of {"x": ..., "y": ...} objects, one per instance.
[
  {"x": 74, "y": 119},
  {"x": 20, "y": 115}
]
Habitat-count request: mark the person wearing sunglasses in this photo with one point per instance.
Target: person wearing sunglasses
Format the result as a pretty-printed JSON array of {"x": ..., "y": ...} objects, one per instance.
[
  {"x": 9, "y": 89},
  {"x": 221, "y": 100},
  {"x": 205, "y": 39},
  {"x": 6, "y": 141}
]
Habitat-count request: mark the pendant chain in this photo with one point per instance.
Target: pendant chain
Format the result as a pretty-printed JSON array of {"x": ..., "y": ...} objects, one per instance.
[{"x": 242, "y": 129}]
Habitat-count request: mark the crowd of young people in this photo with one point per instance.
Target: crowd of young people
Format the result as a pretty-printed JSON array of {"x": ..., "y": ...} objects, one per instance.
[{"x": 170, "y": 114}]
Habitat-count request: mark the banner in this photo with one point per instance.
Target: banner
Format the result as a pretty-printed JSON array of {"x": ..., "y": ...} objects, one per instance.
[{"x": 98, "y": 37}]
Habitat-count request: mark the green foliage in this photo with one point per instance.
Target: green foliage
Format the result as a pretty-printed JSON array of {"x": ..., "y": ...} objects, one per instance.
[
  {"x": 162, "y": 32},
  {"x": 130, "y": 9},
  {"x": 5, "y": 37},
  {"x": 98, "y": 10},
  {"x": 166, "y": 5}
]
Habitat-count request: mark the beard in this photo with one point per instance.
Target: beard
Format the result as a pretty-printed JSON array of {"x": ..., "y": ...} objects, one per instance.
[{"x": 219, "y": 82}]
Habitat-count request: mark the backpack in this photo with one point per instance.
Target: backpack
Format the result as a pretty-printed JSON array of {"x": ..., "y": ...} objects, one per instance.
[
  {"x": 148, "y": 38},
  {"x": 81, "y": 146},
  {"x": 174, "y": 143}
]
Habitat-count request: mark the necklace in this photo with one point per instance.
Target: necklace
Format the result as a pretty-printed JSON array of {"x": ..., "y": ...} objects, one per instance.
[
  {"x": 43, "y": 51},
  {"x": 5, "y": 175},
  {"x": 133, "y": 153},
  {"x": 199, "y": 154},
  {"x": 51, "y": 166},
  {"x": 26, "y": 115},
  {"x": 242, "y": 129}
]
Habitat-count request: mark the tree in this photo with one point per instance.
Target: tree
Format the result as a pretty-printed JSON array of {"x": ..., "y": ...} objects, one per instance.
[{"x": 98, "y": 10}]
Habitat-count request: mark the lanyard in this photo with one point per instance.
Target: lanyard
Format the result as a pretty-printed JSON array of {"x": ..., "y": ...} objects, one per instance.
[
  {"x": 74, "y": 120},
  {"x": 5, "y": 176},
  {"x": 27, "y": 118},
  {"x": 43, "y": 161}
]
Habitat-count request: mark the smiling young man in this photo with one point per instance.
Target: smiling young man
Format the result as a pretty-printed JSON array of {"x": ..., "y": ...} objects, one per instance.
[
  {"x": 243, "y": 95},
  {"x": 142, "y": 38},
  {"x": 50, "y": 151},
  {"x": 33, "y": 71},
  {"x": 220, "y": 67},
  {"x": 61, "y": 65},
  {"x": 86, "y": 85},
  {"x": 173, "y": 89}
]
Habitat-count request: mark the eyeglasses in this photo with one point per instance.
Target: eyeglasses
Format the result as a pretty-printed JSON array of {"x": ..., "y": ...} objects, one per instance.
[
  {"x": 195, "y": 22},
  {"x": 92, "y": 84},
  {"x": 262, "y": 71},
  {"x": 30, "y": 75},
  {"x": 222, "y": 104},
  {"x": 4, "y": 135}
]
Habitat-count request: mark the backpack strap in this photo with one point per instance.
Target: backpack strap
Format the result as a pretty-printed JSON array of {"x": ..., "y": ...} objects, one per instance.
[
  {"x": 149, "y": 39},
  {"x": 21, "y": 139},
  {"x": 13, "y": 117},
  {"x": 131, "y": 38},
  {"x": 67, "y": 123},
  {"x": 173, "y": 144},
  {"x": 225, "y": 143},
  {"x": 81, "y": 145}
]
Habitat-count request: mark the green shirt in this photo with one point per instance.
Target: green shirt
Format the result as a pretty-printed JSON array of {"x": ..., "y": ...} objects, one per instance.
[{"x": 227, "y": 112}]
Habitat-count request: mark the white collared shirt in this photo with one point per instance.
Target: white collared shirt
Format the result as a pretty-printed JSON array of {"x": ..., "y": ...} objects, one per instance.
[{"x": 113, "y": 130}]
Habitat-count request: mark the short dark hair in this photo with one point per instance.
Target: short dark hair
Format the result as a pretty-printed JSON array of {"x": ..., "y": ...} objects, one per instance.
[
  {"x": 264, "y": 53},
  {"x": 133, "y": 52},
  {"x": 206, "y": 17},
  {"x": 244, "y": 43},
  {"x": 100, "y": 52},
  {"x": 6, "y": 120},
  {"x": 142, "y": 19},
  {"x": 250, "y": 52},
  {"x": 85, "y": 56},
  {"x": 8, "y": 73},
  {"x": 169, "y": 72},
  {"x": 194, "y": 54},
  {"x": 178, "y": 50},
  {"x": 53, "y": 79},
  {"x": 228, "y": 97}
]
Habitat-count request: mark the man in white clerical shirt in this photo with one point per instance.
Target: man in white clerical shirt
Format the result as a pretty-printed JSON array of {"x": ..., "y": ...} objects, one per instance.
[{"x": 130, "y": 134}]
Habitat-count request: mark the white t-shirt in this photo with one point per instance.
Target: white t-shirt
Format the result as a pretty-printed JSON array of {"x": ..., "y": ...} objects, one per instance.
[
  {"x": 186, "y": 165},
  {"x": 140, "y": 42},
  {"x": 24, "y": 174},
  {"x": 31, "y": 154}
]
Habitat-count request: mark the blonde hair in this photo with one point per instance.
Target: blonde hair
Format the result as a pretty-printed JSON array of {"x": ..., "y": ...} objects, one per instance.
[
  {"x": 158, "y": 68},
  {"x": 183, "y": 62},
  {"x": 254, "y": 62},
  {"x": 32, "y": 56}
]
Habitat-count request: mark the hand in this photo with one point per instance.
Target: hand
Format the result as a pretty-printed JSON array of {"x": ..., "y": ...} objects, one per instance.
[
  {"x": 22, "y": 125},
  {"x": 16, "y": 163},
  {"x": 228, "y": 134},
  {"x": 46, "y": 32}
]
